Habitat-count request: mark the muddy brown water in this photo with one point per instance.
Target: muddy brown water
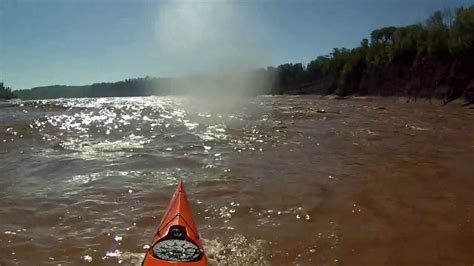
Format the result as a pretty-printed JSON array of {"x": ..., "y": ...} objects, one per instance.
[{"x": 271, "y": 180}]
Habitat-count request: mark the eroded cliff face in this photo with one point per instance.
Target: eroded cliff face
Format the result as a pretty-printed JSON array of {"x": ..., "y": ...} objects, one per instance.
[{"x": 421, "y": 76}]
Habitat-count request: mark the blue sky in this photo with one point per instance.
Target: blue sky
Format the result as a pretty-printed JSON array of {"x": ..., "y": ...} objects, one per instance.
[{"x": 80, "y": 42}]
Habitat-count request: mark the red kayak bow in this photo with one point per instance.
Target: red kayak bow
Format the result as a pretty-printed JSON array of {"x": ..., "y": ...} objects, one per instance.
[{"x": 177, "y": 240}]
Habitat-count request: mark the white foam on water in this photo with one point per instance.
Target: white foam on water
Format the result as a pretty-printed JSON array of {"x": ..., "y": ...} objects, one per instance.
[{"x": 238, "y": 250}]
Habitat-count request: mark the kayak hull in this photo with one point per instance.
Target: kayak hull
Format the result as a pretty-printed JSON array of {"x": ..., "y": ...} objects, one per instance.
[{"x": 178, "y": 216}]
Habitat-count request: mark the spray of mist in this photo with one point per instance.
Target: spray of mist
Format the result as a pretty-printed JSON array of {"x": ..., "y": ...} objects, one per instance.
[{"x": 212, "y": 44}]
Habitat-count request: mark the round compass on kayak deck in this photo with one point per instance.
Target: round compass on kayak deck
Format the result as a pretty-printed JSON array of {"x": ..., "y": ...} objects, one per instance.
[{"x": 176, "y": 250}]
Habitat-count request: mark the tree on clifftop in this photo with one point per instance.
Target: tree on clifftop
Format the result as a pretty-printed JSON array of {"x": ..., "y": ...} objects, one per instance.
[
  {"x": 6, "y": 92},
  {"x": 461, "y": 39}
]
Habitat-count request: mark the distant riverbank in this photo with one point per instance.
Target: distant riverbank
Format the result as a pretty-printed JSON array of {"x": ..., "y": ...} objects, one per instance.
[{"x": 432, "y": 60}]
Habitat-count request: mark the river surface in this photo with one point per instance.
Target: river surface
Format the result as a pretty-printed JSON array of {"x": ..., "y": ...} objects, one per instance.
[{"x": 271, "y": 180}]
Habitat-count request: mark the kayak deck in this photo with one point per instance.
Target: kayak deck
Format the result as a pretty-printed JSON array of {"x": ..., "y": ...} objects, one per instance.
[{"x": 177, "y": 240}]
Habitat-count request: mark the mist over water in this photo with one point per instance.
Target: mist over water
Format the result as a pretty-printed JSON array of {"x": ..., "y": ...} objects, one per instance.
[{"x": 213, "y": 44}]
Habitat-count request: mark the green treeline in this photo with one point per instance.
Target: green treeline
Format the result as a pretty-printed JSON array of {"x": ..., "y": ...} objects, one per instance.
[
  {"x": 445, "y": 35},
  {"x": 6, "y": 92}
]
